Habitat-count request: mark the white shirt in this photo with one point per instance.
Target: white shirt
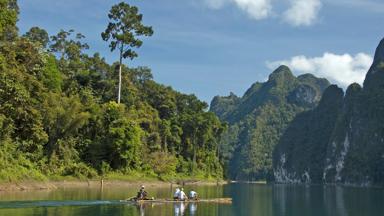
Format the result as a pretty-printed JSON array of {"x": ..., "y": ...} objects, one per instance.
[
  {"x": 182, "y": 195},
  {"x": 177, "y": 193},
  {"x": 192, "y": 194}
]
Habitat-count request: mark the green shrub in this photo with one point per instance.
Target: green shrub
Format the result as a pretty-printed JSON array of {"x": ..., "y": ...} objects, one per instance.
[
  {"x": 163, "y": 164},
  {"x": 80, "y": 170}
]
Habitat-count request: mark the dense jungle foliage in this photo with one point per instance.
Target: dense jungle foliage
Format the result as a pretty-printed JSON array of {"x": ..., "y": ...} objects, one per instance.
[{"x": 59, "y": 118}]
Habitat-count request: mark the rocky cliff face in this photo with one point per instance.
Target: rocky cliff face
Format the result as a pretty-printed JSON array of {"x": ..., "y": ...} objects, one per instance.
[
  {"x": 301, "y": 151},
  {"x": 349, "y": 149},
  {"x": 260, "y": 116},
  {"x": 375, "y": 75}
]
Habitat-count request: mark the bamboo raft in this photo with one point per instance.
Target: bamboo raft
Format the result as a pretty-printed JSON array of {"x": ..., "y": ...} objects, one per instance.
[{"x": 227, "y": 201}]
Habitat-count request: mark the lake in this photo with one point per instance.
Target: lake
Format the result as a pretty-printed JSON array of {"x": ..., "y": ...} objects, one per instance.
[{"x": 248, "y": 199}]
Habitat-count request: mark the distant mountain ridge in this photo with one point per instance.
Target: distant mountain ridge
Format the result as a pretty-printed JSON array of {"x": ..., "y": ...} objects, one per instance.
[
  {"x": 258, "y": 119},
  {"x": 342, "y": 140}
]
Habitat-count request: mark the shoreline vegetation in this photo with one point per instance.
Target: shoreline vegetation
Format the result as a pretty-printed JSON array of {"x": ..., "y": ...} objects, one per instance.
[
  {"x": 124, "y": 182},
  {"x": 33, "y": 185}
]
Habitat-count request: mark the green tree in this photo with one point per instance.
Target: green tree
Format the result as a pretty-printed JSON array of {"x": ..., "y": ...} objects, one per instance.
[
  {"x": 123, "y": 30},
  {"x": 163, "y": 164},
  {"x": 51, "y": 76},
  {"x": 63, "y": 117},
  {"x": 9, "y": 12},
  {"x": 69, "y": 46},
  {"x": 38, "y": 35},
  {"x": 20, "y": 92},
  {"x": 121, "y": 141},
  {"x": 66, "y": 45}
]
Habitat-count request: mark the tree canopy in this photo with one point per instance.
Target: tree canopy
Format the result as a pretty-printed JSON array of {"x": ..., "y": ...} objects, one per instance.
[{"x": 58, "y": 118}]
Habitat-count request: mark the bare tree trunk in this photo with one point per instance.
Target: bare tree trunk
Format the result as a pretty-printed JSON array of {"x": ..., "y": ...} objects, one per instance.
[{"x": 120, "y": 67}]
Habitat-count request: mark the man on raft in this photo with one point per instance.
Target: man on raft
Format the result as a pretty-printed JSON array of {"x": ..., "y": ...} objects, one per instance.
[
  {"x": 142, "y": 194},
  {"x": 180, "y": 195},
  {"x": 176, "y": 194},
  {"x": 193, "y": 195}
]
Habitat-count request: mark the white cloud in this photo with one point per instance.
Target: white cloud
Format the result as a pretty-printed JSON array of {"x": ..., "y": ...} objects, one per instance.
[
  {"x": 256, "y": 9},
  {"x": 299, "y": 13},
  {"x": 302, "y": 12},
  {"x": 341, "y": 69}
]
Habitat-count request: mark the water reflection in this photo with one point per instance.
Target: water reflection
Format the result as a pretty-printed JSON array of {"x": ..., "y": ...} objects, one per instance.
[
  {"x": 179, "y": 208},
  {"x": 193, "y": 209},
  {"x": 141, "y": 209},
  {"x": 327, "y": 200},
  {"x": 248, "y": 199}
]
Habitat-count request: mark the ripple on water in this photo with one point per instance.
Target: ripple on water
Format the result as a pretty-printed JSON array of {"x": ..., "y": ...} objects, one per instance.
[{"x": 33, "y": 204}]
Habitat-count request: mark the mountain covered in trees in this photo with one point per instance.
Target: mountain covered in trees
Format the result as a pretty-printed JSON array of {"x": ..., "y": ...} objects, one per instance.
[
  {"x": 259, "y": 118},
  {"x": 58, "y": 115},
  {"x": 341, "y": 140}
]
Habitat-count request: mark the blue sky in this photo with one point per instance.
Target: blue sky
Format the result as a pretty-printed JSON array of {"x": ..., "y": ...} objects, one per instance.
[{"x": 213, "y": 47}]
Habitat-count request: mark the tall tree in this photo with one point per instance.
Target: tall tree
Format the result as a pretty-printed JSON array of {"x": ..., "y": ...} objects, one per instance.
[{"x": 123, "y": 30}]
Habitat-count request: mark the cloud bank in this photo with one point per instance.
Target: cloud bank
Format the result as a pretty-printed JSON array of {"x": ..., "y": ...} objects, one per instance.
[
  {"x": 299, "y": 12},
  {"x": 340, "y": 69}
]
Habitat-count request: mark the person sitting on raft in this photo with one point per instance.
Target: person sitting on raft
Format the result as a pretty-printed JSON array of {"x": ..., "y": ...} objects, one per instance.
[
  {"x": 176, "y": 194},
  {"x": 182, "y": 195},
  {"x": 142, "y": 194},
  {"x": 193, "y": 195}
]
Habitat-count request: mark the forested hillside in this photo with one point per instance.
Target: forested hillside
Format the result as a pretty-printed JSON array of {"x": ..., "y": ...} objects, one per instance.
[
  {"x": 342, "y": 140},
  {"x": 258, "y": 119},
  {"x": 58, "y": 115}
]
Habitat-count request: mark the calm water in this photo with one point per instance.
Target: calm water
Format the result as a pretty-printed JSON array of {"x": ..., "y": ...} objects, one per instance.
[{"x": 248, "y": 199}]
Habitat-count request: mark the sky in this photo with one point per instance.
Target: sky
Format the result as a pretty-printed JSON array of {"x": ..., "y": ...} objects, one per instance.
[{"x": 214, "y": 47}]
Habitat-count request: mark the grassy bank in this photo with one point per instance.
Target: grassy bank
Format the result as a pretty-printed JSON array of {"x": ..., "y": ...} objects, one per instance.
[
  {"x": 96, "y": 183},
  {"x": 37, "y": 181}
]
